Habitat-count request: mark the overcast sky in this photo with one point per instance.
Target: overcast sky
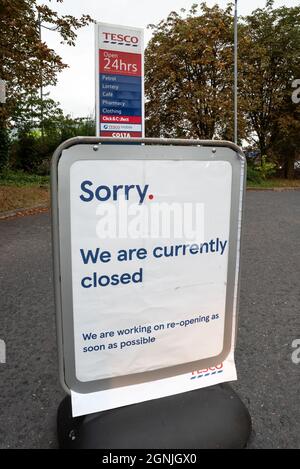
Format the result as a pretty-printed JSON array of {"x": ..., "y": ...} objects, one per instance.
[{"x": 75, "y": 88}]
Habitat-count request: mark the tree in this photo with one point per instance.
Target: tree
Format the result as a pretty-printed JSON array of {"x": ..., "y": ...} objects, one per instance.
[
  {"x": 269, "y": 57},
  {"x": 4, "y": 146},
  {"x": 27, "y": 116},
  {"x": 189, "y": 78},
  {"x": 189, "y": 75},
  {"x": 31, "y": 150},
  {"x": 26, "y": 62},
  {"x": 285, "y": 137}
]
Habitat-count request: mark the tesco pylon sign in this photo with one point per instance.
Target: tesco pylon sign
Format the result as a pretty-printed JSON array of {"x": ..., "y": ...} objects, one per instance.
[{"x": 119, "y": 81}]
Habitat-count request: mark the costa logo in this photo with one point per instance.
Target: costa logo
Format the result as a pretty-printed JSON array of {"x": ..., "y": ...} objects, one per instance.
[{"x": 120, "y": 39}]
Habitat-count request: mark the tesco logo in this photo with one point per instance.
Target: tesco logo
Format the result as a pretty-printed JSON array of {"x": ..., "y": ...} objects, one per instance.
[
  {"x": 211, "y": 371},
  {"x": 121, "y": 39}
]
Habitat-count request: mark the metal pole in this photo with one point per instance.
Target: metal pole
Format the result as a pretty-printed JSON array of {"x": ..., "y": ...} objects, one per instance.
[
  {"x": 41, "y": 79},
  {"x": 236, "y": 73}
]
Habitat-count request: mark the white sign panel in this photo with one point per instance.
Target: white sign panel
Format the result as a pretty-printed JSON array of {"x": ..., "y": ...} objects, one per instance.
[
  {"x": 147, "y": 254},
  {"x": 136, "y": 299}
]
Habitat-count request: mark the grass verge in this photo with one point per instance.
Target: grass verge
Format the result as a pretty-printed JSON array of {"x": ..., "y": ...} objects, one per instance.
[
  {"x": 274, "y": 183},
  {"x": 21, "y": 179},
  {"x": 13, "y": 198},
  {"x": 22, "y": 190}
]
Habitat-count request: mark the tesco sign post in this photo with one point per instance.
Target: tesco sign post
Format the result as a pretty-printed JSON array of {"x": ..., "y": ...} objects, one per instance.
[{"x": 119, "y": 81}]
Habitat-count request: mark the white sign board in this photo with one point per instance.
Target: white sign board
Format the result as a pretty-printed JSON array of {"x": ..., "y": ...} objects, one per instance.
[
  {"x": 148, "y": 260},
  {"x": 147, "y": 290}
]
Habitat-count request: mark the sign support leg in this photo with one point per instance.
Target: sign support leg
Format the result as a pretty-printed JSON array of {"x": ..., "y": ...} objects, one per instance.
[{"x": 213, "y": 417}]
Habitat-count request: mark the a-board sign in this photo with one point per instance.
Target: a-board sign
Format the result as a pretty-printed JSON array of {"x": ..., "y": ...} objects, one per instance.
[
  {"x": 146, "y": 258},
  {"x": 119, "y": 81}
]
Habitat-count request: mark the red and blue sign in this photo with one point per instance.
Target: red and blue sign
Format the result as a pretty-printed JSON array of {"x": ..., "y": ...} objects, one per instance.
[{"x": 120, "y": 105}]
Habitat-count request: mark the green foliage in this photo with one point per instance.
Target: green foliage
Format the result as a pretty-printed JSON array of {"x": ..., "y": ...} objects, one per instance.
[
  {"x": 69, "y": 127},
  {"x": 35, "y": 114},
  {"x": 253, "y": 175},
  {"x": 189, "y": 79},
  {"x": 20, "y": 179},
  {"x": 258, "y": 173},
  {"x": 28, "y": 65},
  {"x": 28, "y": 152},
  {"x": 4, "y": 147},
  {"x": 31, "y": 150},
  {"x": 26, "y": 61},
  {"x": 266, "y": 169},
  {"x": 269, "y": 50}
]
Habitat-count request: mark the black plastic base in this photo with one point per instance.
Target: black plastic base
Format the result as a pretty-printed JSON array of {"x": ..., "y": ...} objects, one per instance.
[{"x": 213, "y": 417}]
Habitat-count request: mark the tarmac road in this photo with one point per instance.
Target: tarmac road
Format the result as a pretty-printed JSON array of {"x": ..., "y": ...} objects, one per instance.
[{"x": 269, "y": 382}]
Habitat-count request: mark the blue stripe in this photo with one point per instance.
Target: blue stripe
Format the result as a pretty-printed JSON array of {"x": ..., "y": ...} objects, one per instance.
[
  {"x": 120, "y": 95},
  {"x": 112, "y": 111},
  {"x": 207, "y": 374},
  {"x": 115, "y": 79},
  {"x": 121, "y": 103}
]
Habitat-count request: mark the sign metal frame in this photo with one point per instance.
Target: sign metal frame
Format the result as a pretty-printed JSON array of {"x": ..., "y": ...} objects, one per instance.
[{"x": 91, "y": 148}]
